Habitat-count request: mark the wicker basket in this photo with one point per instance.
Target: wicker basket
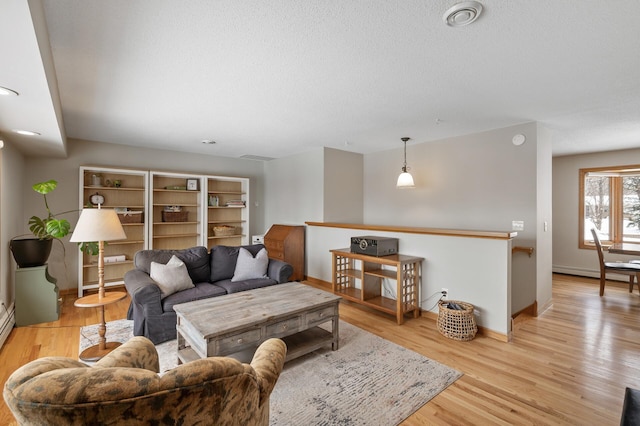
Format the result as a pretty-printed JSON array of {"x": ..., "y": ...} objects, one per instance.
[
  {"x": 175, "y": 216},
  {"x": 224, "y": 231},
  {"x": 457, "y": 324},
  {"x": 131, "y": 217}
]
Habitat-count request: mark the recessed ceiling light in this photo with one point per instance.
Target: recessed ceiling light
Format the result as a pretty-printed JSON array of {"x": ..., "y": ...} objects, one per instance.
[
  {"x": 5, "y": 91},
  {"x": 26, "y": 133},
  {"x": 462, "y": 14},
  {"x": 208, "y": 141}
]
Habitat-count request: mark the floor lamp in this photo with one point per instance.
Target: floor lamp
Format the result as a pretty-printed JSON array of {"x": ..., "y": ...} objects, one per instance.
[{"x": 99, "y": 225}]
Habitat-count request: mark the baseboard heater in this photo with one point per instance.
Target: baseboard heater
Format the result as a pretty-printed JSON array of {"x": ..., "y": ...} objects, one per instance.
[{"x": 7, "y": 321}]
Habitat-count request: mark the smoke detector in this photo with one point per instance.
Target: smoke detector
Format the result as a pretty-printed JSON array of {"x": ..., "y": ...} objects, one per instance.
[{"x": 462, "y": 14}]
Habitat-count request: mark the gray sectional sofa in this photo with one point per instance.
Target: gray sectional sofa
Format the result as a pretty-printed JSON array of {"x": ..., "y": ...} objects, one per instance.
[{"x": 212, "y": 275}]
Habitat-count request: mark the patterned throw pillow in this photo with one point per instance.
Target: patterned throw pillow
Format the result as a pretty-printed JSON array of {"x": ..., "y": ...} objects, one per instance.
[
  {"x": 249, "y": 267},
  {"x": 172, "y": 277}
]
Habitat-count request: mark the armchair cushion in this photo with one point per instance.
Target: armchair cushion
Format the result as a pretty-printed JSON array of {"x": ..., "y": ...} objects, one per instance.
[
  {"x": 237, "y": 286},
  {"x": 124, "y": 388},
  {"x": 200, "y": 291}
]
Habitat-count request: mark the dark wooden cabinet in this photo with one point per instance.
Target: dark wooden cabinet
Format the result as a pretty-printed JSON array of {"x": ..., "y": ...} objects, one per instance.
[{"x": 286, "y": 243}]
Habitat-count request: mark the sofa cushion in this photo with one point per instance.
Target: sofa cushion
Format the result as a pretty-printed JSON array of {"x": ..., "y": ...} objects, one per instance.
[
  {"x": 237, "y": 286},
  {"x": 195, "y": 258},
  {"x": 249, "y": 267},
  {"x": 224, "y": 258},
  {"x": 199, "y": 291},
  {"x": 172, "y": 277}
]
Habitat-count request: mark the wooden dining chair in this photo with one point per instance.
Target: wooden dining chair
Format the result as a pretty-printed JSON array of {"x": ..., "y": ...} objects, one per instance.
[{"x": 631, "y": 269}]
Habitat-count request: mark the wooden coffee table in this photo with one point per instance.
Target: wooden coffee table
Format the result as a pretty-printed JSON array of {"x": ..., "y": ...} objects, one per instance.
[{"x": 237, "y": 323}]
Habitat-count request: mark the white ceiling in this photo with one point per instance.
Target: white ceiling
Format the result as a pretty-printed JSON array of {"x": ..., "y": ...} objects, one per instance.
[{"x": 280, "y": 77}]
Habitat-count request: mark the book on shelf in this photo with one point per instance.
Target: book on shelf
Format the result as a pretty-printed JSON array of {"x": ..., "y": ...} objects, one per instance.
[{"x": 235, "y": 203}]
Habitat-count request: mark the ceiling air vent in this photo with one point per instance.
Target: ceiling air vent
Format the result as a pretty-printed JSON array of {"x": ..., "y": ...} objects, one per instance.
[
  {"x": 462, "y": 14},
  {"x": 256, "y": 157}
]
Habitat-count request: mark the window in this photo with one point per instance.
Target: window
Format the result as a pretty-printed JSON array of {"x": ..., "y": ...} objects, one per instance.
[{"x": 610, "y": 202}]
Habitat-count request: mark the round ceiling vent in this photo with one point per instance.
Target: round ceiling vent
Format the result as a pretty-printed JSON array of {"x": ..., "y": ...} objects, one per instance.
[{"x": 462, "y": 14}]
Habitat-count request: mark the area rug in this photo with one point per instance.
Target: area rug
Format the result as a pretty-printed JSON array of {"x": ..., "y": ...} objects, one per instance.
[{"x": 368, "y": 381}]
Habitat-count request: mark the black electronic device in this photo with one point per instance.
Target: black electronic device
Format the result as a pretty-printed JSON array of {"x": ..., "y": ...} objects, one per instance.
[{"x": 374, "y": 246}]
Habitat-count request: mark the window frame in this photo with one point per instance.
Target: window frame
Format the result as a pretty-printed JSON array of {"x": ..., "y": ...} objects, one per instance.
[{"x": 616, "y": 198}]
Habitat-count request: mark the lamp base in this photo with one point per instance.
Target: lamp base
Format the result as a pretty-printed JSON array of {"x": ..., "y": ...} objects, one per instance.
[{"x": 94, "y": 353}]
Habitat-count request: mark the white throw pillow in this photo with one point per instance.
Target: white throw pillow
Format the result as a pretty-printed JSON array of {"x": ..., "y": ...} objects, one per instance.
[
  {"x": 172, "y": 277},
  {"x": 249, "y": 267}
]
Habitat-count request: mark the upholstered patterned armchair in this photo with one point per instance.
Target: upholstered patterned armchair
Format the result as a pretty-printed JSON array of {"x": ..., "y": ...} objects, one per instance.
[{"x": 124, "y": 388}]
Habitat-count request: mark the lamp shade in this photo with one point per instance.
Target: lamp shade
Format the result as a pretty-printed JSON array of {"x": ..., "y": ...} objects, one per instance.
[
  {"x": 98, "y": 225},
  {"x": 405, "y": 180}
]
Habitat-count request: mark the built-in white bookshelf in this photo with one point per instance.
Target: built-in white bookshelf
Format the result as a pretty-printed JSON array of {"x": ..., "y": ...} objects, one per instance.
[
  {"x": 124, "y": 190},
  {"x": 162, "y": 210}
]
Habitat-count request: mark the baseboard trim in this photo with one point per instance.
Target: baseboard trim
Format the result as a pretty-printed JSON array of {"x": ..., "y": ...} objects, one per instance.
[
  {"x": 590, "y": 273},
  {"x": 544, "y": 307},
  {"x": 318, "y": 282},
  {"x": 532, "y": 310},
  {"x": 581, "y": 272}
]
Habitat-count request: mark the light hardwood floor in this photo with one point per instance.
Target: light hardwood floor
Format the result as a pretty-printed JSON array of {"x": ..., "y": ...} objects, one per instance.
[{"x": 569, "y": 366}]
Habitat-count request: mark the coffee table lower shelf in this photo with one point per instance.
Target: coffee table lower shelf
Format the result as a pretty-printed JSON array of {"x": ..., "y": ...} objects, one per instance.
[{"x": 298, "y": 344}]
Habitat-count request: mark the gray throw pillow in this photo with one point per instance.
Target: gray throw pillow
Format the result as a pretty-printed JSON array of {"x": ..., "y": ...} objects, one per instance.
[
  {"x": 224, "y": 258},
  {"x": 172, "y": 277},
  {"x": 249, "y": 267}
]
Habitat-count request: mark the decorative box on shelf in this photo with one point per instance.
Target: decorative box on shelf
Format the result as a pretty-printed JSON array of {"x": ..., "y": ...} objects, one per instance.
[
  {"x": 224, "y": 230},
  {"x": 182, "y": 216},
  {"x": 131, "y": 217},
  {"x": 174, "y": 214}
]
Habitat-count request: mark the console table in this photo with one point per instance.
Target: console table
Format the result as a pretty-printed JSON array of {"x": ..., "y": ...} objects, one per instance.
[{"x": 349, "y": 269}]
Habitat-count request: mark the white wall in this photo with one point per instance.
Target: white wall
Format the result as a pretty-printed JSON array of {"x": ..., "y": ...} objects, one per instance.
[
  {"x": 567, "y": 257},
  {"x": 544, "y": 237},
  {"x": 480, "y": 181},
  {"x": 66, "y": 172},
  {"x": 13, "y": 223},
  {"x": 343, "y": 195},
  {"x": 294, "y": 189},
  {"x": 321, "y": 185}
]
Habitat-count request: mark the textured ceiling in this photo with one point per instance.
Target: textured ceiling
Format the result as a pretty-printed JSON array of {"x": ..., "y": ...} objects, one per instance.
[{"x": 279, "y": 77}]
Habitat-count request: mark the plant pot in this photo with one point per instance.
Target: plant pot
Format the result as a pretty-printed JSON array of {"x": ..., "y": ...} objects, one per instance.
[{"x": 30, "y": 252}]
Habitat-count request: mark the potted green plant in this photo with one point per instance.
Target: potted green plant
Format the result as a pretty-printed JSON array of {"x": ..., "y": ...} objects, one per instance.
[{"x": 34, "y": 251}]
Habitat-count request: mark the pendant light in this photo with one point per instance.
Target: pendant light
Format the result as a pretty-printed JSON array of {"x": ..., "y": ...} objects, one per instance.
[{"x": 405, "y": 180}]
